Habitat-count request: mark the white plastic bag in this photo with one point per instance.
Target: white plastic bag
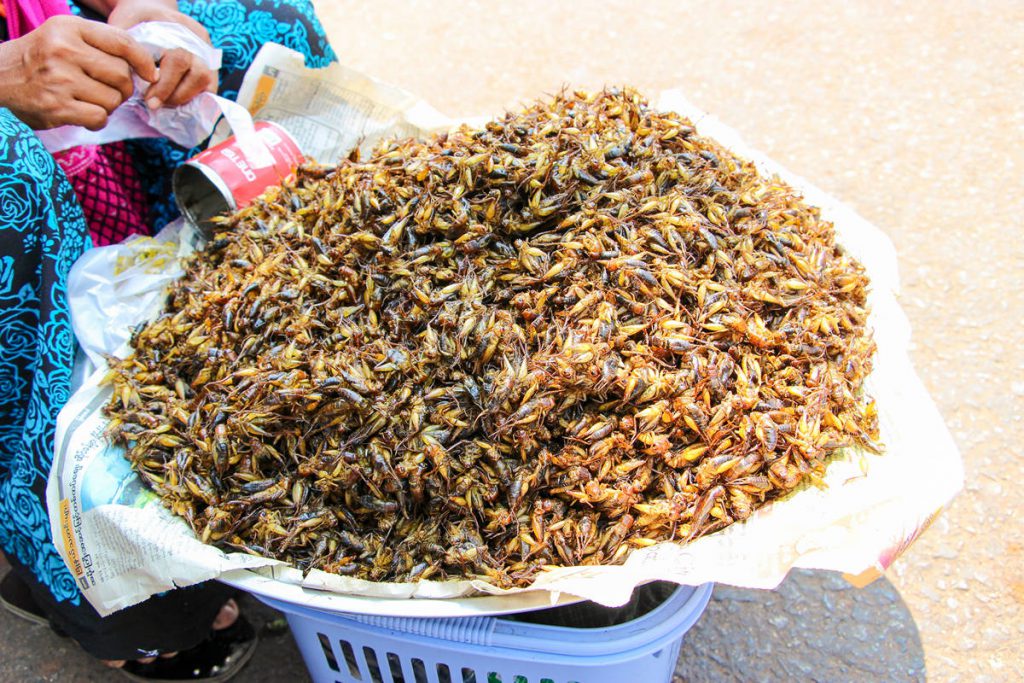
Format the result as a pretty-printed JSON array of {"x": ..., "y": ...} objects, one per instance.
[
  {"x": 111, "y": 289},
  {"x": 192, "y": 122},
  {"x": 187, "y": 125}
]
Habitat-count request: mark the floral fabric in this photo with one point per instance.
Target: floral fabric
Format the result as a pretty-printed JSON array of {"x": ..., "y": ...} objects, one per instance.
[{"x": 43, "y": 232}]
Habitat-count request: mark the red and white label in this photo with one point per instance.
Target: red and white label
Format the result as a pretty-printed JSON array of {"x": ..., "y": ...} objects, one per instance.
[{"x": 245, "y": 181}]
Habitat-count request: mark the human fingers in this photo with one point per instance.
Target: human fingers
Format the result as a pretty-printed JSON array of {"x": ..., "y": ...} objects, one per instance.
[
  {"x": 198, "y": 79},
  {"x": 68, "y": 112},
  {"x": 173, "y": 66},
  {"x": 86, "y": 114},
  {"x": 99, "y": 94},
  {"x": 111, "y": 71},
  {"x": 118, "y": 43}
]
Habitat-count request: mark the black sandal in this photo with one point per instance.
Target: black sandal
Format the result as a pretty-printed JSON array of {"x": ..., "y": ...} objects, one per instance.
[{"x": 218, "y": 658}]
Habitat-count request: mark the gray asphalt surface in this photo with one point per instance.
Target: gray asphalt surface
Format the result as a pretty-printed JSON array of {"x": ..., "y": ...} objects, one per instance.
[{"x": 815, "y": 627}]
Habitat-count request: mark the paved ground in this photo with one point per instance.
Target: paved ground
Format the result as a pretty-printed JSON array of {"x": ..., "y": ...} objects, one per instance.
[{"x": 910, "y": 112}]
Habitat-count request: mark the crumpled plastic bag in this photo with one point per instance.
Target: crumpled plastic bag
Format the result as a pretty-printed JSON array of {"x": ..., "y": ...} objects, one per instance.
[
  {"x": 186, "y": 125},
  {"x": 112, "y": 288}
]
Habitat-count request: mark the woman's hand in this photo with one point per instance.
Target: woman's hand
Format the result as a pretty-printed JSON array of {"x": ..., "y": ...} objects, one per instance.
[
  {"x": 182, "y": 74},
  {"x": 70, "y": 71}
]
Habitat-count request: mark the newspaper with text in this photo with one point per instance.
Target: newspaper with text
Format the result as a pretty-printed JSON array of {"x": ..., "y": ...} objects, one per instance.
[{"x": 331, "y": 111}]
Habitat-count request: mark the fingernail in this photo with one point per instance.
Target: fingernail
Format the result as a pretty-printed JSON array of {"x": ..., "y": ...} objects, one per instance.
[{"x": 153, "y": 103}]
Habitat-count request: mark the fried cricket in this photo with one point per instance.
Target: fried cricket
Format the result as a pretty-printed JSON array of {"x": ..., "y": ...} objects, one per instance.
[{"x": 578, "y": 330}]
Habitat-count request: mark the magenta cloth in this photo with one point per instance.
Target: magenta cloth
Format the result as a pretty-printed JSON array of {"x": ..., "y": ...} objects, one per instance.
[
  {"x": 110, "y": 192},
  {"x": 25, "y": 15},
  {"x": 106, "y": 183}
]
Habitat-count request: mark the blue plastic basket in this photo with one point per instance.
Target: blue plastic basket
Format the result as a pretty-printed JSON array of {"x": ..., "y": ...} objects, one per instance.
[{"x": 350, "y": 648}]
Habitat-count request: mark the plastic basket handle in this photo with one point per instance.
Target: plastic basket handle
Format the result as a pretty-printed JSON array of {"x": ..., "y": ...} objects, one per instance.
[{"x": 473, "y": 630}]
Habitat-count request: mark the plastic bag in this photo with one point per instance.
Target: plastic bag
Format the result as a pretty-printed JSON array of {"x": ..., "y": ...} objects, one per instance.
[
  {"x": 187, "y": 125},
  {"x": 111, "y": 289}
]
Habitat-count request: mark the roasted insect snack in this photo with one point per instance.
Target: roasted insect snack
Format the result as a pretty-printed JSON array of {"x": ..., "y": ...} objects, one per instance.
[{"x": 578, "y": 330}]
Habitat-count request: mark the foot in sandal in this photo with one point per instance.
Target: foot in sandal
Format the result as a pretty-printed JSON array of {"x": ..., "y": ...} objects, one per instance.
[{"x": 220, "y": 657}]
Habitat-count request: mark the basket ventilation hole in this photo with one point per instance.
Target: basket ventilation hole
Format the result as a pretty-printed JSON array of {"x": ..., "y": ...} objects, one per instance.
[
  {"x": 325, "y": 644},
  {"x": 444, "y": 674},
  {"x": 373, "y": 668},
  {"x": 419, "y": 671},
  {"x": 468, "y": 675},
  {"x": 395, "y": 664},
  {"x": 350, "y": 659}
]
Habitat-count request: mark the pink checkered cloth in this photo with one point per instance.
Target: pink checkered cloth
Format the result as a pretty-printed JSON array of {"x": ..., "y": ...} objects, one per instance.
[
  {"x": 109, "y": 189},
  {"x": 106, "y": 182}
]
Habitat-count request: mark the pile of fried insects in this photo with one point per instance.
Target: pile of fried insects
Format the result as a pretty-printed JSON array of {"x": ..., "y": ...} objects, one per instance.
[{"x": 579, "y": 330}]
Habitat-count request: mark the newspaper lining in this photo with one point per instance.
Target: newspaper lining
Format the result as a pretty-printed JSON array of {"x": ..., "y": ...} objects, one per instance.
[
  {"x": 123, "y": 545},
  {"x": 330, "y": 111}
]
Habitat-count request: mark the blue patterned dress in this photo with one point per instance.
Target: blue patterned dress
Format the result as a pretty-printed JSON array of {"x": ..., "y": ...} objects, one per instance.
[{"x": 43, "y": 232}]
